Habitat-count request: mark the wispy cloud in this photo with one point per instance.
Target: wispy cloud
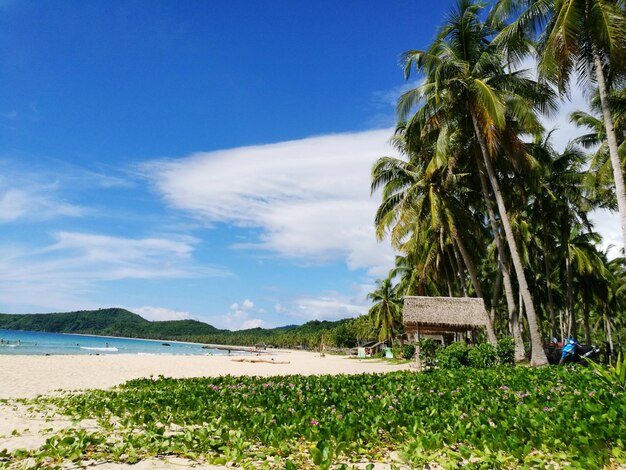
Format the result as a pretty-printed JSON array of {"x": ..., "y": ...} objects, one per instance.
[
  {"x": 608, "y": 225},
  {"x": 34, "y": 204},
  {"x": 159, "y": 313},
  {"x": 383, "y": 104},
  {"x": 44, "y": 192},
  {"x": 240, "y": 316},
  {"x": 66, "y": 272},
  {"x": 328, "y": 305},
  {"x": 389, "y": 98},
  {"x": 310, "y": 197}
]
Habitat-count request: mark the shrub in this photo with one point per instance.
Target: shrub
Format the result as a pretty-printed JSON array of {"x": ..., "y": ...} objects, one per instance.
[
  {"x": 614, "y": 376},
  {"x": 428, "y": 350},
  {"x": 482, "y": 356},
  {"x": 453, "y": 356},
  {"x": 505, "y": 350},
  {"x": 408, "y": 351}
]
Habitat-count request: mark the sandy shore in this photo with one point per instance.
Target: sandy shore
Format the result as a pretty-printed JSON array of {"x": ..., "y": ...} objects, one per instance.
[{"x": 29, "y": 376}]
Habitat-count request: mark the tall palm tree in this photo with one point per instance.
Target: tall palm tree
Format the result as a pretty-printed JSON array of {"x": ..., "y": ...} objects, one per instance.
[
  {"x": 433, "y": 196},
  {"x": 466, "y": 82},
  {"x": 561, "y": 192},
  {"x": 386, "y": 312},
  {"x": 581, "y": 37},
  {"x": 600, "y": 176}
]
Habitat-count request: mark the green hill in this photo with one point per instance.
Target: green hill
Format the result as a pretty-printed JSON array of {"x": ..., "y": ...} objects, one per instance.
[
  {"x": 107, "y": 321},
  {"x": 121, "y": 322}
]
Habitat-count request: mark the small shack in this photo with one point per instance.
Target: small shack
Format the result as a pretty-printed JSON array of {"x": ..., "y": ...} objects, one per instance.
[
  {"x": 443, "y": 317},
  {"x": 370, "y": 348}
]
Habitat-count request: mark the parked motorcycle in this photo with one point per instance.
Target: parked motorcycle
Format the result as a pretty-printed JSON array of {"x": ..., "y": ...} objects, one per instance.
[{"x": 570, "y": 352}]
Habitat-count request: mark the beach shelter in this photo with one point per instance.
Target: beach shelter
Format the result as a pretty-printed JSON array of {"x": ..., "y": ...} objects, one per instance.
[{"x": 442, "y": 316}]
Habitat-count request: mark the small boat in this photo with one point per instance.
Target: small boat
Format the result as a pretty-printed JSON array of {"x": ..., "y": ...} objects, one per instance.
[{"x": 165, "y": 344}]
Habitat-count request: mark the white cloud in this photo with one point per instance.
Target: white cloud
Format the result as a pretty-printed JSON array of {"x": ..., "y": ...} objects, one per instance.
[
  {"x": 310, "y": 197},
  {"x": 31, "y": 195},
  {"x": 63, "y": 274},
  {"x": 332, "y": 307},
  {"x": 239, "y": 317},
  {"x": 329, "y": 305},
  {"x": 34, "y": 204},
  {"x": 253, "y": 323},
  {"x": 608, "y": 225},
  {"x": 389, "y": 98},
  {"x": 160, "y": 313}
]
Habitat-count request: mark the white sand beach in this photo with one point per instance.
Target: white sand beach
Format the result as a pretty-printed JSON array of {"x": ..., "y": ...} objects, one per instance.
[{"x": 29, "y": 376}]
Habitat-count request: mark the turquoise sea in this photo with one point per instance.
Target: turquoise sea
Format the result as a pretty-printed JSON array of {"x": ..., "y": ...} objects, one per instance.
[{"x": 14, "y": 342}]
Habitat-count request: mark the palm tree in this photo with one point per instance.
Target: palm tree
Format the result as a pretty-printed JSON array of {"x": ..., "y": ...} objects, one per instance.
[
  {"x": 616, "y": 302},
  {"x": 429, "y": 201},
  {"x": 466, "y": 82},
  {"x": 600, "y": 176},
  {"x": 581, "y": 37},
  {"x": 386, "y": 312}
]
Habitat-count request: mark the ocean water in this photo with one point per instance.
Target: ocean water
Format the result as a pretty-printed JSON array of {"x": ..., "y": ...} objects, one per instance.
[{"x": 14, "y": 342}]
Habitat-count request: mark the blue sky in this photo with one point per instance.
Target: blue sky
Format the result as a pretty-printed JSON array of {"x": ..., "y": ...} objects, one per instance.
[{"x": 197, "y": 159}]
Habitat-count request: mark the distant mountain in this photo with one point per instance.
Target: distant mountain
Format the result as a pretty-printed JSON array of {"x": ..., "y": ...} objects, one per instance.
[
  {"x": 106, "y": 322},
  {"x": 121, "y": 322}
]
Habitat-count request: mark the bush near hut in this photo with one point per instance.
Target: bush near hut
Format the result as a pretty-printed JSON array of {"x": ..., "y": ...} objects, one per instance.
[
  {"x": 482, "y": 356},
  {"x": 459, "y": 354},
  {"x": 408, "y": 351},
  {"x": 453, "y": 356},
  {"x": 404, "y": 352},
  {"x": 428, "y": 350},
  {"x": 505, "y": 350}
]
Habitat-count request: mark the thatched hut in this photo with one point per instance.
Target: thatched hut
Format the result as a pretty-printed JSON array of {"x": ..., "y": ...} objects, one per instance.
[{"x": 445, "y": 316}]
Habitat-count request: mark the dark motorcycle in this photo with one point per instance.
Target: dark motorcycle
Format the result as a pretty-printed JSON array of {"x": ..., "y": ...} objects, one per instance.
[{"x": 572, "y": 352}]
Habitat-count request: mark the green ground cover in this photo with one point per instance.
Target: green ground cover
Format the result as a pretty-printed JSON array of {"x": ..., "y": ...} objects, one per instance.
[{"x": 491, "y": 418}]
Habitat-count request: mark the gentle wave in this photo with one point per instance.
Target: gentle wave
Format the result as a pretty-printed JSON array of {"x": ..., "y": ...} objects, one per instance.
[{"x": 113, "y": 349}]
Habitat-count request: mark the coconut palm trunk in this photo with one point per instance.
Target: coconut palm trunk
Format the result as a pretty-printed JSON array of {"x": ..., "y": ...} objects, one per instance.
[
  {"x": 471, "y": 269},
  {"x": 586, "y": 326},
  {"x": 609, "y": 336},
  {"x": 546, "y": 263},
  {"x": 573, "y": 331},
  {"x": 459, "y": 270},
  {"x": 503, "y": 264},
  {"x": 616, "y": 163},
  {"x": 497, "y": 293},
  {"x": 516, "y": 320},
  {"x": 538, "y": 356}
]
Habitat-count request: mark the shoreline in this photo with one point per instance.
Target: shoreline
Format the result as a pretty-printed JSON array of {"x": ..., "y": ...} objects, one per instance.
[
  {"x": 106, "y": 336},
  {"x": 218, "y": 346},
  {"x": 27, "y": 376}
]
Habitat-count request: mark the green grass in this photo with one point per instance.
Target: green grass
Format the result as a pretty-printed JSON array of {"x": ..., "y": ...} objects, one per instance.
[{"x": 495, "y": 418}]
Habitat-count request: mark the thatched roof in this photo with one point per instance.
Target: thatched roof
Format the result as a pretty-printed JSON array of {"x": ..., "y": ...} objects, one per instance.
[{"x": 444, "y": 313}]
